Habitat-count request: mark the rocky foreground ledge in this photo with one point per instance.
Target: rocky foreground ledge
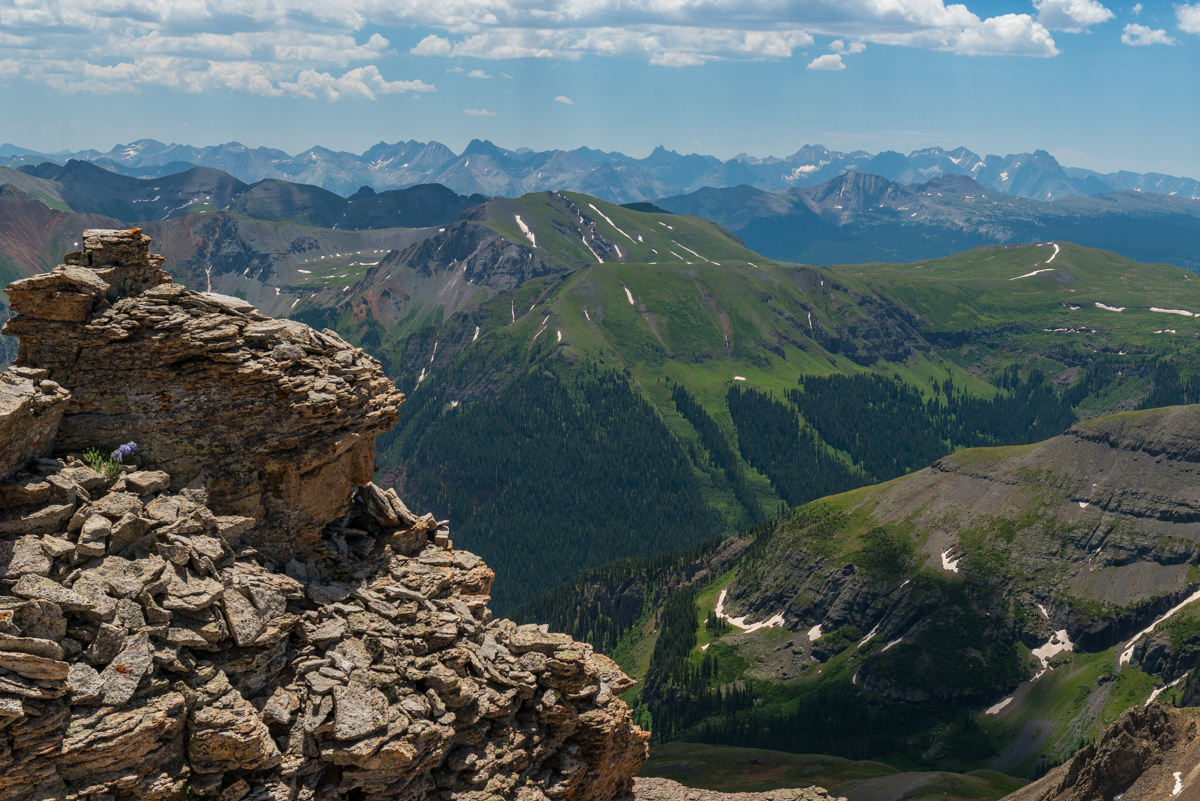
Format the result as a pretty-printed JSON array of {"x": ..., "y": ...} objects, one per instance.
[{"x": 241, "y": 614}]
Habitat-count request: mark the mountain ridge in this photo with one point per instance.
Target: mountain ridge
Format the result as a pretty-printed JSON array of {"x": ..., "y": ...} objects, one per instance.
[{"x": 613, "y": 176}]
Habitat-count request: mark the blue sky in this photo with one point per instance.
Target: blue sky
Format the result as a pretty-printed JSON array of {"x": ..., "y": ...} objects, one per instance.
[{"x": 1100, "y": 85}]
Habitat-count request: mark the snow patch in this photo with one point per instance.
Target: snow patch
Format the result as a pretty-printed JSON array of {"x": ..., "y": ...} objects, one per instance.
[
  {"x": 739, "y": 378},
  {"x": 1058, "y": 643},
  {"x": 560, "y": 335},
  {"x": 994, "y": 709},
  {"x": 628, "y": 294},
  {"x": 814, "y": 633},
  {"x": 610, "y": 222},
  {"x": 588, "y": 316},
  {"x": 1042, "y": 609},
  {"x": 306, "y": 272},
  {"x": 594, "y": 253},
  {"x": 1106, "y": 307},
  {"x": 1183, "y": 312},
  {"x": 525, "y": 230},
  {"x": 1127, "y": 654},
  {"x": 1083, "y": 504},
  {"x": 694, "y": 253},
  {"x": 1056, "y": 249},
  {"x": 948, "y": 563},
  {"x": 890, "y": 644},
  {"x": 1035, "y": 272},
  {"x": 1178, "y": 783},
  {"x": 513, "y": 305},
  {"x": 740, "y": 622},
  {"x": 1159, "y": 690},
  {"x": 871, "y": 634}
]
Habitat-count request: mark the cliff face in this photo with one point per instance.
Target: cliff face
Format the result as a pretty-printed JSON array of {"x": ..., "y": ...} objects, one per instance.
[
  {"x": 1149, "y": 753},
  {"x": 214, "y": 628},
  {"x": 279, "y": 418}
]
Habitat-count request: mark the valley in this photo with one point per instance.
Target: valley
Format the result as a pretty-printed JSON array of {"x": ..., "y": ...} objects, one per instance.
[{"x": 936, "y": 505}]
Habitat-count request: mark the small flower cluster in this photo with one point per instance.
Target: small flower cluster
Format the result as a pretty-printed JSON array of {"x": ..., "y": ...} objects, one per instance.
[
  {"x": 111, "y": 467},
  {"x": 122, "y": 451}
]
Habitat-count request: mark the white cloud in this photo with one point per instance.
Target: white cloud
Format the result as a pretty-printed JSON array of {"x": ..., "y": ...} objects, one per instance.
[
  {"x": 566, "y": 101},
  {"x": 1140, "y": 35},
  {"x": 831, "y": 62},
  {"x": 479, "y": 112},
  {"x": 1189, "y": 18},
  {"x": 478, "y": 74},
  {"x": 433, "y": 45},
  {"x": 1071, "y": 16},
  {"x": 324, "y": 48},
  {"x": 365, "y": 82},
  {"x": 1136, "y": 10},
  {"x": 838, "y": 46}
]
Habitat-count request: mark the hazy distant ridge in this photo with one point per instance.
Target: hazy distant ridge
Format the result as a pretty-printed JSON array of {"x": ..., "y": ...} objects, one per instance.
[{"x": 484, "y": 168}]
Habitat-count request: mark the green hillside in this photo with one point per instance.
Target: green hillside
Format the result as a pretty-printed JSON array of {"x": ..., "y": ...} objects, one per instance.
[
  {"x": 994, "y": 611},
  {"x": 543, "y": 321}
]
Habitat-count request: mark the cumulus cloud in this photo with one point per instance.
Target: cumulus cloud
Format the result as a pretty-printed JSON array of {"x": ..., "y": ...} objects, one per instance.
[
  {"x": 829, "y": 62},
  {"x": 365, "y": 82},
  {"x": 326, "y": 49},
  {"x": 1141, "y": 35},
  {"x": 838, "y": 46},
  {"x": 1189, "y": 17},
  {"x": 479, "y": 112},
  {"x": 1071, "y": 16},
  {"x": 566, "y": 101},
  {"x": 1137, "y": 9}
]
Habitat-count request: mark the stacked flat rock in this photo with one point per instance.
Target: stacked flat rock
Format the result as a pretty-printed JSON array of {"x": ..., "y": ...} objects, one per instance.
[
  {"x": 146, "y": 651},
  {"x": 656, "y": 789},
  {"x": 256, "y": 620},
  {"x": 280, "y": 418}
]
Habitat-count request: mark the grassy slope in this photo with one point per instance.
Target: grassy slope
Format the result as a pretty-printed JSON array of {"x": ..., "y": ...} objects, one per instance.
[
  {"x": 743, "y": 770},
  {"x": 981, "y": 291}
]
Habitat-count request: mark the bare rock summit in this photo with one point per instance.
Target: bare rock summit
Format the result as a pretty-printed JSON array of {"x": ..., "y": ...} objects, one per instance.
[
  {"x": 236, "y": 612},
  {"x": 279, "y": 419}
]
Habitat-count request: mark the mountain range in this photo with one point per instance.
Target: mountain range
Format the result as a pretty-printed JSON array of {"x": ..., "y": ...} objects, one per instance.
[
  {"x": 484, "y": 168},
  {"x": 599, "y": 381},
  {"x": 859, "y": 217}
]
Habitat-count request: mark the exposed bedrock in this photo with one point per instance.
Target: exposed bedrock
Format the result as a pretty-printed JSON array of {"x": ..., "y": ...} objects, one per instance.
[
  {"x": 280, "y": 418},
  {"x": 236, "y": 612}
]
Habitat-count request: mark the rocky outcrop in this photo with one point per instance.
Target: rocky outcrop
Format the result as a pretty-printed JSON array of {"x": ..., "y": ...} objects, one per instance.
[
  {"x": 154, "y": 645},
  {"x": 281, "y": 419},
  {"x": 31, "y": 408},
  {"x": 654, "y": 789},
  {"x": 145, "y": 649},
  {"x": 1150, "y": 752}
]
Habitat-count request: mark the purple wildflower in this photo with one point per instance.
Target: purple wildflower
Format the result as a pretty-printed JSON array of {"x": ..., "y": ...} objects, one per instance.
[{"x": 122, "y": 451}]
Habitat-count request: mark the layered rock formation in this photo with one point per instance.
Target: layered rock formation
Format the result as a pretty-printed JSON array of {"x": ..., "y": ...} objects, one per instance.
[
  {"x": 278, "y": 417},
  {"x": 1149, "y": 753},
  {"x": 656, "y": 789},
  {"x": 155, "y": 644},
  {"x": 31, "y": 408}
]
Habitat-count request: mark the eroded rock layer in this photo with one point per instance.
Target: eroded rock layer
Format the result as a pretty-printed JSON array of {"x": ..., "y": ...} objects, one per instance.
[
  {"x": 280, "y": 418},
  {"x": 1149, "y": 753},
  {"x": 159, "y": 640}
]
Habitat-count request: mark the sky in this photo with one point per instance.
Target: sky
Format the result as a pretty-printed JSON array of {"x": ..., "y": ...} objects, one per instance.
[{"x": 1100, "y": 85}]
